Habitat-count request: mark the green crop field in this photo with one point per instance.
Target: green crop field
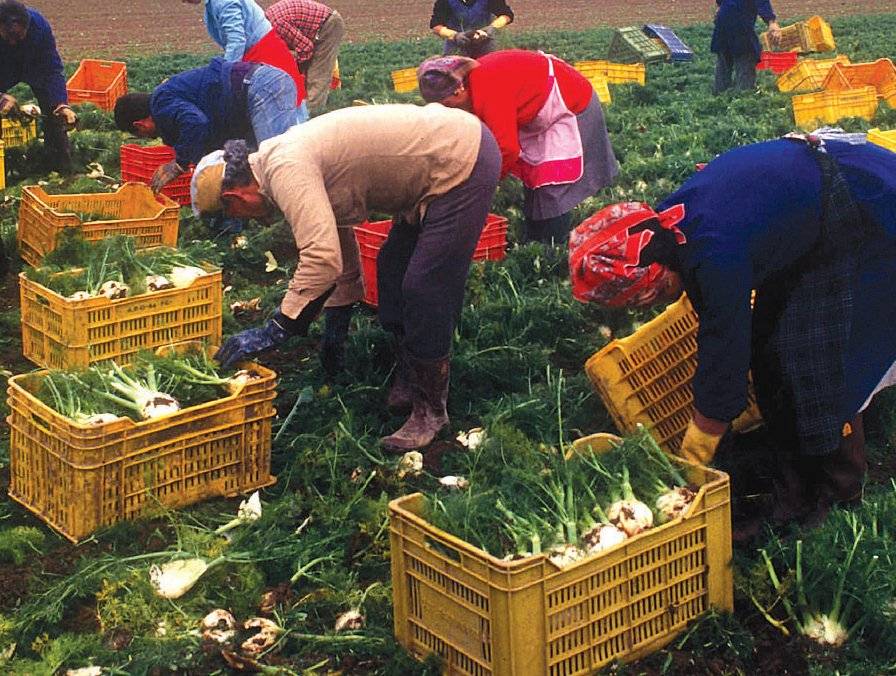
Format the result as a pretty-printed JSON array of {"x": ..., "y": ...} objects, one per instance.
[{"x": 321, "y": 546}]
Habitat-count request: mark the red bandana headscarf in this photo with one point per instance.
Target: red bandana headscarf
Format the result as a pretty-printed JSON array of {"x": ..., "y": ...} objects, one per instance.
[{"x": 604, "y": 255}]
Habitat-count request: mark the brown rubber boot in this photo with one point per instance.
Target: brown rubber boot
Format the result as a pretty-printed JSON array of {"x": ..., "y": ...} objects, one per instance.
[
  {"x": 843, "y": 472},
  {"x": 429, "y": 390},
  {"x": 400, "y": 394}
]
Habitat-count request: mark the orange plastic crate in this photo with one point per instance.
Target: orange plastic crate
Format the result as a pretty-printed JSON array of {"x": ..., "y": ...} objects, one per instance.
[
  {"x": 492, "y": 246},
  {"x": 139, "y": 163},
  {"x": 488, "y": 617},
  {"x": 646, "y": 377},
  {"x": 98, "y": 82},
  {"x": 808, "y": 74},
  {"x": 78, "y": 478},
  {"x": 828, "y": 107},
  {"x": 61, "y": 333},
  {"x": 821, "y": 37},
  {"x": 132, "y": 210},
  {"x": 880, "y": 74}
]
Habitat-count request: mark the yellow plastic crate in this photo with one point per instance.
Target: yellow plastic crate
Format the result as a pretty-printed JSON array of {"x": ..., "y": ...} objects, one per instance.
[
  {"x": 808, "y": 74},
  {"x": 132, "y": 210},
  {"x": 821, "y": 37},
  {"x": 601, "y": 89},
  {"x": 78, "y": 478},
  {"x": 16, "y": 134},
  {"x": 614, "y": 73},
  {"x": 885, "y": 139},
  {"x": 810, "y": 110},
  {"x": 794, "y": 38},
  {"x": 880, "y": 74},
  {"x": 404, "y": 80},
  {"x": 61, "y": 333},
  {"x": 485, "y": 616},
  {"x": 646, "y": 377}
]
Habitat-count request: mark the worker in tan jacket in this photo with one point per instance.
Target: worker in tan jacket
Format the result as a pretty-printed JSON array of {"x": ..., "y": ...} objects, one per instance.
[{"x": 435, "y": 168}]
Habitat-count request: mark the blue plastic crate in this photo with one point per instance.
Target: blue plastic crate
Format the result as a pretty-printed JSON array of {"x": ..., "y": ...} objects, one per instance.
[{"x": 678, "y": 50}]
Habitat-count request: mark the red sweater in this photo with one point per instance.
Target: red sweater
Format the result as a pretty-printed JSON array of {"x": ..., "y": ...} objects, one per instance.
[{"x": 509, "y": 87}]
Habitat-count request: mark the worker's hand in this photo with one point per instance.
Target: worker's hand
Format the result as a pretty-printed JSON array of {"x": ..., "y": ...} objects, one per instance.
[
  {"x": 67, "y": 115},
  {"x": 164, "y": 175},
  {"x": 461, "y": 40},
  {"x": 7, "y": 104},
  {"x": 700, "y": 445},
  {"x": 251, "y": 342},
  {"x": 774, "y": 33},
  {"x": 483, "y": 34},
  {"x": 30, "y": 110}
]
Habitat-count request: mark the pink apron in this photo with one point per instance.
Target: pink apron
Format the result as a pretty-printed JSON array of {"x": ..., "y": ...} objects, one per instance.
[{"x": 550, "y": 145}]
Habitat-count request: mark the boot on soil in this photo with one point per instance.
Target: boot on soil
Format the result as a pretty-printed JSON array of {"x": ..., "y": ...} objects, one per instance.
[
  {"x": 428, "y": 379},
  {"x": 401, "y": 396},
  {"x": 841, "y": 477},
  {"x": 794, "y": 487}
]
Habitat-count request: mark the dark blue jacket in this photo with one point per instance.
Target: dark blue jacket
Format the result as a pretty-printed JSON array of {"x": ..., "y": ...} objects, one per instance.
[
  {"x": 753, "y": 212},
  {"x": 35, "y": 62},
  {"x": 196, "y": 111},
  {"x": 734, "y": 33}
]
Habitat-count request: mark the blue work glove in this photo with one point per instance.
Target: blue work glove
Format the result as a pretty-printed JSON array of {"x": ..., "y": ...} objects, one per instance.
[{"x": 251, "y": 342}]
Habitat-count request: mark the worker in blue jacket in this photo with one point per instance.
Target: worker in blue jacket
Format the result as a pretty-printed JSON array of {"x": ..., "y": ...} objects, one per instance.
[
  {"x": 735, "y": 44},
  {"x": 197, "y": 110},
  {"x": 28, "y": 54},
  {"x": 810, "y": 224}
]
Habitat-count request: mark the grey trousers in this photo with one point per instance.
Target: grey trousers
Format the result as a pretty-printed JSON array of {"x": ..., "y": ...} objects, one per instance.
[
  {"x": 743, "y": 68},
  {"x": 320, "y": 67}
]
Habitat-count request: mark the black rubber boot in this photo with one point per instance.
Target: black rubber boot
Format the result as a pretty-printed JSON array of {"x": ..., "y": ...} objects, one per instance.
[
  {"x": 401, "y": 395},
  {"x": 332, "y": 344},
  {"x": 429, "y": 389}
]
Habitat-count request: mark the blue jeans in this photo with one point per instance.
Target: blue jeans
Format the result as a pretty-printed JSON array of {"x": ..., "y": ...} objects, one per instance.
[{"x": 271, "y": 103}]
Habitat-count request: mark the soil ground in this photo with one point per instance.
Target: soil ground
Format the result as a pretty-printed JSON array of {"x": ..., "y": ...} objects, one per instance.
[{"x": 131, "y": 27}]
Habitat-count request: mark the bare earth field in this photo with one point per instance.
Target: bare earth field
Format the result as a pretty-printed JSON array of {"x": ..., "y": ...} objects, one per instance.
[{"x": 129, "y": 27}]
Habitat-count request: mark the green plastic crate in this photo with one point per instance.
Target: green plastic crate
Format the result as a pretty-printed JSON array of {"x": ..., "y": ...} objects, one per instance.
[{"x": 630, "y": 45}]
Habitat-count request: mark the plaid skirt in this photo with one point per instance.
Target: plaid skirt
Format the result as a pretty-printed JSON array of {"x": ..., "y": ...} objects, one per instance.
[{"x": 801, "y": 326}]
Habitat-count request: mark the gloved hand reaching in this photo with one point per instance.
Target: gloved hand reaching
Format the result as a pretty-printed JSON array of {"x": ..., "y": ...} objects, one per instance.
[
  {"x": 7, "y": 104},
  {"x": 254, "y": 341},
  {"x": 164, "y": 175},
  {"x": 699, "y": 446},
  {"x": 67, "y": 115}
]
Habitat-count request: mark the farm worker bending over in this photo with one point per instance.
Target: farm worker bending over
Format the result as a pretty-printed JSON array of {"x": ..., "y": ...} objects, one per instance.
[
  {"x": 313, "y": 32},
  {"x": 244, "y": 33},
  {"x": 28, "y": 54},
  {"x": 197, "y": 110},
  {"x": 547, "y": 121},
  {"x": 810, "y": 224},
  {"x": 435, "y": 168},
  {"x": 735, "y": 44},
  {"x": 468, "y": 26}
]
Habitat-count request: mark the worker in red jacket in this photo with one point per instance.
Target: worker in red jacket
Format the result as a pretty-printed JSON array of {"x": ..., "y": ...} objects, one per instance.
[{"x": 548, "y": 123}]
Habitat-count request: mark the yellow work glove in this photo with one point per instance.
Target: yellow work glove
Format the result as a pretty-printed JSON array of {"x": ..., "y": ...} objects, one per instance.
[{"x": 699, "y": 446}]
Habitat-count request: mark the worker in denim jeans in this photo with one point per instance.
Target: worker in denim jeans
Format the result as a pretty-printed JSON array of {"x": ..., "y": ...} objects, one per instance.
[
  {"x": 196, "y": 111},
  {"x": 735, "y": 44}
]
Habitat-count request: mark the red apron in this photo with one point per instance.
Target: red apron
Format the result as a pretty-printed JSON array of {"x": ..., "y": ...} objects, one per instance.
[
  {"x": 272, "y": 51},
  {"x": 550, "y": 145}
]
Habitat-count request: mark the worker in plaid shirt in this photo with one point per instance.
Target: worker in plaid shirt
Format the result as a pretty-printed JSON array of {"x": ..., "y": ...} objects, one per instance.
[{"x": 313, "y": 32}]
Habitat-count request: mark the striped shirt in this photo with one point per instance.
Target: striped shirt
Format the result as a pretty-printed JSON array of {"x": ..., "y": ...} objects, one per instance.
[{"x": 298, "y": 22}]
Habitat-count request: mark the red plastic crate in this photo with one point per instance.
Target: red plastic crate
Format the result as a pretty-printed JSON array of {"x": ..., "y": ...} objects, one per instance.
[
  {"x": 492, "y": 246},
  {"x": 98, "y": 82},
  {"x": 139, "y": 163},
  {"x": 777, "y": 62}
]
